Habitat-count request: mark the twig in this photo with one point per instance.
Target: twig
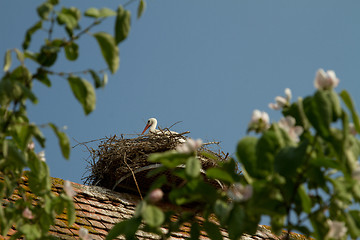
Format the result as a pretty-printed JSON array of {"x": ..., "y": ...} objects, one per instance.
[
  {"x": 175, "y": 124},
  {"x": 96, "y": 22},
  {"x": 61, "y": 74},
  {"x": 51, "y": 25},
  {"x": 84, "y": 143},
  {"x": 132, "y": 172}
]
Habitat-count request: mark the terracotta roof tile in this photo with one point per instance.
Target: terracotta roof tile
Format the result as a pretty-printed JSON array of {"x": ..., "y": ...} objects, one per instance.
[{"x": 98, "y": 209}]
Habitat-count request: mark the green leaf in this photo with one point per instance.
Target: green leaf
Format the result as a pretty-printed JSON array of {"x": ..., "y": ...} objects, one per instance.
[
  {"x": 57, "y": 42},
  {"x": 71, "y": 214},
  {"x": 206, "y": 190},
  {"x": 48, "y": 55},
  {"x": 122, "y": 24},
  {"x": 326, "y": 162},
  {"x": 19, "y": 55},
  {"x": 38, "y": 135},
  {"x": 170, "y": 159},
  {"x": 140, "y": 209},
  {"x": 126, "y": 227},
  {"x": 246, "y": 153},
  {"x": 296, "y": 110},
  {"x": 69, "y": 17},
  {"x": 7, "y": 60},
  {"x": 208, "y": 155},
  {"x": 96, "y": 13},
  {"x": 141, "y": 8},
  {"x": 92, "y": 12},
  {"x": 58, "y": 204},
  {"x": 318, "y": 222},
  {"x": 195, "y": 231},
  {"x": 355, "y": 215},
  {"x": 318, "y": 109},
  {"x": 21, "y": 75},
  {"x": 44, "y": 10},
  {"x": 23, "y": 134},
  {"x": 63, "y": 141},
  {"x": 39, "y": 176},
  {"x": 84, "y": 93},
  {"x": 277, "y": 223},
  {"x": 289, "y": 159},
  {"x": 109, "y": 50},
  {"x": 212, "y": 230},
  {"x": 219, "y": 174},
  {"x": 231, "y": 167},
  {"x": 342, "y": 189},
  {"x": 29, "y": 33},
  {"x": 351, "y": 224},
  {"x": 106, "y": 12},
  {"x": 42, "y": 77},
  {"x": 305, "y": 199},
  {"x": 266, "y": 149},
  {"x": 193, "y": 167},
  {"x": 153, "y": 216},
  {"x": 31, "y": 231},
  {"x": 31, "y": 55},
  {"x": 54, "y": 2},
  {"x": 72, "y": 51},
  {"x": 335, "y": 103},
  {"x": 240, "y": 222},
  {"x": 96, "y": 78},
  {"x": 349, "y": 103},
  {"x": 12, "y": 153},
  {"x": 222, "y": 210},
  {"x": 105, "y": 80}
]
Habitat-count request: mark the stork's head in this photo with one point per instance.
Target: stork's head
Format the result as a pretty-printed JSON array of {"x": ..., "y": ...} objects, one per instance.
[{"x": 152, "y": 122}]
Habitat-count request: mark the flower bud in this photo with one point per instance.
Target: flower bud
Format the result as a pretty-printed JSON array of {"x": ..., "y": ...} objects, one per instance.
[
  {"x": 156, "y": 195},
  {"x": 27, "y": 213},
  {"x": 325, "y": 80},
  {"x": 84, "y": 234},
  {"x": 41, "y": 156},
  {"x": 69, "y": 189}
]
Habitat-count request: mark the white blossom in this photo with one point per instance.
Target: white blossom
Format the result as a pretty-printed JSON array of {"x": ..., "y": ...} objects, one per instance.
[
  {"x": 259, "y": 116},
  {"x": 68, "y": 189},
  {"x": 189, "y": 146},
  {"x": 239, "y": 192},
  {"x": 259, "y": 122},
  {"x": 41, "y": 156},
  {"x": 84, "y": 234},
  {"x": 337, "y": 230},
  {"x": 325, "y": 80},
  {"x": 280, "y": 101},
  {"x": 27, "y": 213},
  {"x": 156, "y": 195},
  {"x": 288, "y": 125},
  {"x": 31, "y": 145}
]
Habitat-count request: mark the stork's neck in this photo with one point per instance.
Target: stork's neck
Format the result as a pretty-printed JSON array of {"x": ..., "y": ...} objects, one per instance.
[{"x": 153, "y": 126}]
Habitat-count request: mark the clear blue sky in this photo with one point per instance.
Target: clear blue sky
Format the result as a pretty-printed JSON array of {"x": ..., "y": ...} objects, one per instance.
[{"x": 206, "y": 63}]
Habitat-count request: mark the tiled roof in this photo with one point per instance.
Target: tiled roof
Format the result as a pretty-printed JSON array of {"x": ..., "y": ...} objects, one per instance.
[{"x": 98, "y": 209}]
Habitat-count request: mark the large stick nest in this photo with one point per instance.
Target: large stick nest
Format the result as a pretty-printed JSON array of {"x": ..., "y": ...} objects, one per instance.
[{"x": 117, "y": 158}]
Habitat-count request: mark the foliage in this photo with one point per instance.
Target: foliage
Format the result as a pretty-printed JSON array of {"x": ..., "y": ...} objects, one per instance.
[
  {"x": 302, "y": 169},
  {"x": 302, "y": 172},
  {"x": 18, "y": 133}
]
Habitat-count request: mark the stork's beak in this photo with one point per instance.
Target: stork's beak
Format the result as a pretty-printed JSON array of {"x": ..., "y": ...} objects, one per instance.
[{"x": 146, "y": 127}]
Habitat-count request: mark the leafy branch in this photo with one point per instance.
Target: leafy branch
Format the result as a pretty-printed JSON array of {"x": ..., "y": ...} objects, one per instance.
[{"x": 18, "y": 135}]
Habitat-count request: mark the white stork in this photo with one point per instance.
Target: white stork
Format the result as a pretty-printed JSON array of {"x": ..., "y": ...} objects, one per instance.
[{"x": 151, "y": 125}]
